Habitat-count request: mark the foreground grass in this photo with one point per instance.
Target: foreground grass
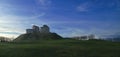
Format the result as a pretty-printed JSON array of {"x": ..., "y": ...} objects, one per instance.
[{"x": 60, "y": 48}]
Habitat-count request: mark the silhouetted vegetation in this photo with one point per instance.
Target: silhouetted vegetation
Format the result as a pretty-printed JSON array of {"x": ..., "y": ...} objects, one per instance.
[{"x": 4, "y": 39}]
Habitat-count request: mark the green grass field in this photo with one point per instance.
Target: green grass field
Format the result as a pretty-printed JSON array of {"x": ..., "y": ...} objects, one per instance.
[{"x": 60, "y": 48}]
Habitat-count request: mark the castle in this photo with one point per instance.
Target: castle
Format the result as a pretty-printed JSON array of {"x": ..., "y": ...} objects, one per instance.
[{"x": 44, "y": 29}]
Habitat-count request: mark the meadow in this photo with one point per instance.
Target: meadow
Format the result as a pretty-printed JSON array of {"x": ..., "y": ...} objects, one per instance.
[{"x": 60, "y": 48}]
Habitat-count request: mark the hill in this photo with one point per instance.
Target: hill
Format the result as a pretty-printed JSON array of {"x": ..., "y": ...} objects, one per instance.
[
  {"x": 60, "y": 48},
  {"x": 38, "y": 33},
  {"x": 38, "y": 36}
]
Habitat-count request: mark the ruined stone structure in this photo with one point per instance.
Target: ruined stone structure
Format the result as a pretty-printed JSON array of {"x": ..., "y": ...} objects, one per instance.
[
  {"x": 35, "y": 28},
  {"x": 29, "y": 30},
  {"x": 44, "y": 29},
  {"x": 38, "y": 33}
]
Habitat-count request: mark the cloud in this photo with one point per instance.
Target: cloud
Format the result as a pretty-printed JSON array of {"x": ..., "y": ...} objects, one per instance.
[
  {"x": 74, "y": 31},
  {"x": 39, "y": 15},
  {"x": 44, "y": 2},
  {"x": 12, "y": 36},
  {"x": 77, "y": 32},
  {"x": 78, "y": 28},
  {"x": 84, "y": 7},
  {"x": 69, "y": 32},
  {"x": 12, "y": 25},
  {"x": 4, "y": 9},
  {"x": 43, "y": 5},
  {"x": 10, "y": 33},
  {"x": 98, "y": 5}
]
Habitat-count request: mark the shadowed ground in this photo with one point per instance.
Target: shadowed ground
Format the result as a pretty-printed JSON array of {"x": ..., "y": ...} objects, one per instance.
[{"x": 60, "y": 48}]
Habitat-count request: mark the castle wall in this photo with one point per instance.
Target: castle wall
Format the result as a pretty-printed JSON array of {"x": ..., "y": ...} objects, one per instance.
[
  {"x": 45, "y": 29},
  {"x": 29, "y": 30}
]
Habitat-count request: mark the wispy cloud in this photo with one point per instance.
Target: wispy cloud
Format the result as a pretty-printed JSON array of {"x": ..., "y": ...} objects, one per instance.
[
  {"x": 71, "y": 31},
  {"x": 44, "y": 2},
  {"x": 84, "y": 7},
  {"x": 98, "y": 4},
  {"x": 15, "y": 18},
  {"x": 75, "y": 32},
  {"x": 12, "y": 25},
  {"x": 38, "y": 15},
  {"x": 10, "y": 33}
]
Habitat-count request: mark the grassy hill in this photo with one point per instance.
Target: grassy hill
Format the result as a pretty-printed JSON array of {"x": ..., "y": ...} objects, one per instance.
[
  {"x": 60, "y": 48},
  {"x": 38, "y": 36}
]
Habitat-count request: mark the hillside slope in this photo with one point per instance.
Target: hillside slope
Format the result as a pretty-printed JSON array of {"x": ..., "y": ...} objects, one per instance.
[{"x": 38, "y": 36}]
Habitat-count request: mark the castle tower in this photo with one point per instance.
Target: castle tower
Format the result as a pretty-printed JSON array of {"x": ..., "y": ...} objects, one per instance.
[
  {"x": 45, "y": 29},
  {"x": 35, "y": 28}
]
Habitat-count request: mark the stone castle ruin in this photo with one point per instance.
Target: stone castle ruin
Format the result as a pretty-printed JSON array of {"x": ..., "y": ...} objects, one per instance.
[
  {"x": 38, "y": 33},
  {"x": 44, "y": 29}
]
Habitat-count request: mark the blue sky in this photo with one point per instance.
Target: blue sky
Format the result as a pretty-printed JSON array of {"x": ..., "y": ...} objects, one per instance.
[{"x": 65, "y": 17}]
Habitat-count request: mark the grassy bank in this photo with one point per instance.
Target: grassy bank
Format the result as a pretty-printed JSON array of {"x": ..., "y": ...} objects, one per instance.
[{"x": 60, "y": 48}]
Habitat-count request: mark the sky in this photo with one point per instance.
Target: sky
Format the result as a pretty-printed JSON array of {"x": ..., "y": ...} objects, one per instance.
[{"x": 68, "y": 18}]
